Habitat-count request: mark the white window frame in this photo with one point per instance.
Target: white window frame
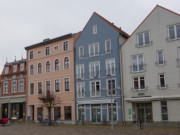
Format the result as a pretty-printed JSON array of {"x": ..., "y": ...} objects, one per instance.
[
  {"x": 95, "y": 88},
  {"x": 21, "y": 85},
  {"x": 15, "y": 68},
  {"x": 38, "y": 68},
  {"x": 94, "y": 29},
  {"x": 80, "y": 71},
  {"x": 110, "y": 61},
  {"x": 55, "y": 85},
  {"x": 68, "y": 84},
  {"x": 5, "y": 87},
  {"x": 143, "y": 36},
  {"x": 81, "y": 56},
  {"x": 94, "y": 68},
  {"x": 80, "y": 86},
  {"x": 55, "y": 65},
  {"x": 14, "y": 86},
  {"x": 175, "y": 32},
  {"x": 137, "y": 59},
  {"x": 94, "y": 49},
  {"x": 109, "y": 40},
  {"x": 6, "y": 70},
  {"x": 159, "y": 78},
  {"x": 31, "y": 73},
  {"x": 64, "y": 63},
  {"x": 49, "y": 86},
  {"x": 107, "y": 86},
  {"x": 139, "y": 83},
  {"x": 158, "y": 62},
  {"x": 22, "y": 66}
]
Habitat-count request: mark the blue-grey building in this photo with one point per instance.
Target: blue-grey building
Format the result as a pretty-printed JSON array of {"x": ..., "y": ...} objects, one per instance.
[{"x": 97, "y": 71}]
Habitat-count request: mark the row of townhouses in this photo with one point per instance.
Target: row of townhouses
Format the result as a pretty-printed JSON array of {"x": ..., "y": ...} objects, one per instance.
[{"x": 100, "y": 74}]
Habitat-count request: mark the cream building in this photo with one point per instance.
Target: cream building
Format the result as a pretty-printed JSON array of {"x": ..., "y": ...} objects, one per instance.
[{"x": 151, "y": 69}]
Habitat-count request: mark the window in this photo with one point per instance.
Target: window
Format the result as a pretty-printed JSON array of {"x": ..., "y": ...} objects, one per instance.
[
  {"x": 21, "y": 85},
  {"x": 47, "y": 50},
  {"x": 21, "y": 66},
  {"x": 31, "y": 69},
  {"x": 178, "y": 59},
  {"x": 57, "y": 85},
  {"x": 94, "y": 29},
  {"x": 48, "y": 66},
  {"x": 56, "y": 64},
  {"x": 108, "y": 46},
  {"x": 138, "y": 63},
  {"x": 40, "y": 113},
  {"x": 31, "y": 88},
  {"x": 164, "y": 110},
  {"x": 39, "y": 52},
  {"x": 81, "y": 89},
  {"x": 143, "y": 39},
  {"x": 67, "y": 112},
  {"x": 162, "y": 81},
  {"x": 6, "y": 70},
  {"x": 48, "y": 88},
  {"x": 94, "y": 69},
  {"x": 5, "y": 90},
  {"x": 39, "y": 87},
  {"x": 139, "y": 83},
  {"x": 95, "y": 88},
  {"x": 31, "y": 54},
  {"x": 93, "y": 49},
  {"x": 80, "y": 71},
  {"x": 39, "y": 68},
  {"x": 110, "y": 67},
  {"x": 66, "y": 63},
  {"x": 160, "y": 57},
  {"x": 57, "y": 113},
  {"x": 174, "y": 31},
  {"x": 56, "y": 47},
  {"x": 65, "y": 46},
  {"x": 66, "y": 84},
  {"x": 14, "y": 68},
  {"x": 81, "y": 52},
  {"x": 111, "y": 87},
  {"x": 114, "y": 112}
]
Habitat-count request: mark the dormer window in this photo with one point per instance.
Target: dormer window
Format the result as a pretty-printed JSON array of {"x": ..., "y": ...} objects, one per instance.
[
  {"x": 6, "y": 70},
  {"x": 94, "y": 29},
  {"x": 21, "y": 66},
  {"x": 14, "y": 68}
]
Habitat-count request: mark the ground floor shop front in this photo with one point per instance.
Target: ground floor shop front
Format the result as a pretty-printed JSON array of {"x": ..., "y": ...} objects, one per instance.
[
  {"x": 14, "y": 108},
  {"x": 152, "y": 110},
  {"x": 63, "y": 112},
  {"x": 99, "y": 112}
]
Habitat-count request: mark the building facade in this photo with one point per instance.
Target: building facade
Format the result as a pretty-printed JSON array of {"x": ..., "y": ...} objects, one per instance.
[
  {"x": 97, "y": 67},
  {"x": 13, "y": 90},
  {"x": 151, "y": 69},
  {"x": 50, "y": 67}
]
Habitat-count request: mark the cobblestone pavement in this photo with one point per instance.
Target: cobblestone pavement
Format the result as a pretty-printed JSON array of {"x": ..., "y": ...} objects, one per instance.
[{"x": 33, "y": 129}]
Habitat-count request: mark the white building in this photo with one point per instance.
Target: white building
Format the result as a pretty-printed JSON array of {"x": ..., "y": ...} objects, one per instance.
[{"x": 151, "y": 69}]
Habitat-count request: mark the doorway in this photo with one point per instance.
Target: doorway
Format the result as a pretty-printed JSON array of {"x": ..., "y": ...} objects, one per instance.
[
  {"x": 21, "y": 111},
  {"x": 144, "y": 112},
  {"x": 96, "y": 113}
]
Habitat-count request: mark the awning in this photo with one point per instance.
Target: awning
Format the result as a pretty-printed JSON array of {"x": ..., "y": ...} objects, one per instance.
[
  {"x": 15, "y": 102},
  {"x": 96, "y": 101},
  {"x": 153, "y": 98}
]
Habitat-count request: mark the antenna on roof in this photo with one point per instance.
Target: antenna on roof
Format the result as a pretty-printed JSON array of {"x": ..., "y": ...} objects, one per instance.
[
  {"x": 22, "y": 56},
  {"x": 15, "y": 58},
  {"x": 6, "y": 60}
]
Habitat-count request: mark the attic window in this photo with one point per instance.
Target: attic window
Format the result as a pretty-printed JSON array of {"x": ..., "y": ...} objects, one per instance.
[
  {"x": 6, "y": 70},
  {"x": 94, "y": 29},
  {"x": 14, "y": 68}
]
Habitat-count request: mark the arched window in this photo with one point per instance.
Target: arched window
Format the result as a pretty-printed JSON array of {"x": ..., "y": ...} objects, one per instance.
[
  {"x": 48, "y": 66},
  {"x": 39, "y": 68},
  {"x": 56, "y": 64},
  {"x": 66, "y": 63},
  {"x": 31, "y": 70}
]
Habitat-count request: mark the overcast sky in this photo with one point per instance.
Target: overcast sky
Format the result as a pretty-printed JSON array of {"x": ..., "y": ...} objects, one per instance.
[{"x": 26, "y": 22}]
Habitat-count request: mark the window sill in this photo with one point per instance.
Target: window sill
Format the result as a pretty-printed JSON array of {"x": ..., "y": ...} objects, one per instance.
[
  {"x": 170, "y": 40},
  {"x": 161, "y": 65},
  {"x": 135, "y": 72},
  {"x": 137, "y": 90},
  {"x": 162, "y": 88}
]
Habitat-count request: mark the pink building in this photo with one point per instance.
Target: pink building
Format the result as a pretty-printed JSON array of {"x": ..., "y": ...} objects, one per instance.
[{"x": 50, "y": 66}]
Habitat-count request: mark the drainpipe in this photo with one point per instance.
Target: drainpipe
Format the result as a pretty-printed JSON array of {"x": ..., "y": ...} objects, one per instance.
[{"x": 122, "y": 86}]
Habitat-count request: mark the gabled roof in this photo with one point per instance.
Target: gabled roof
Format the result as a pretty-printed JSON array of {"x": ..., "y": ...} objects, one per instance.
[
  {"x": 124, "y": 34},
  {"x": 148, "y": 16}
]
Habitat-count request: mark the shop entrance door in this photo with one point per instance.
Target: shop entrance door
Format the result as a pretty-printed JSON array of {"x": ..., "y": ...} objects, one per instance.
[
  {"x": 21, "y": 111},
  {"x": 144, "y": 111},
  {"x": 96, "y": 114},
  {"x": 81, "y": 113}
]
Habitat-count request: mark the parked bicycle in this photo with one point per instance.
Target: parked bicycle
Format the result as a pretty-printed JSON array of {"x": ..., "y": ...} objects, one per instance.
[{"x": 138, "y": 125}]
